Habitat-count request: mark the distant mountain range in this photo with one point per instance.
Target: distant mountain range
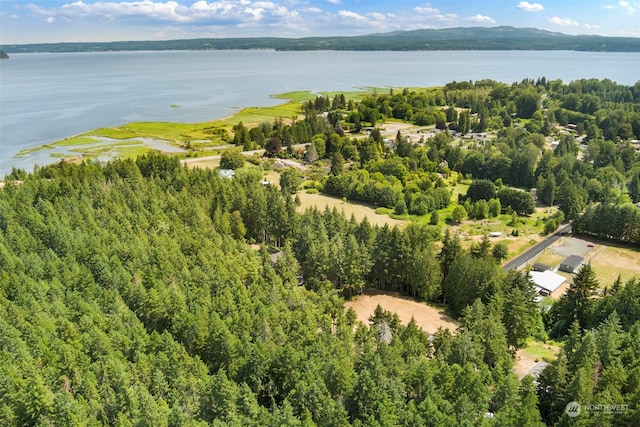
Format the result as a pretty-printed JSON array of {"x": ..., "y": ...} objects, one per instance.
[{"x": 475, "y": 38}]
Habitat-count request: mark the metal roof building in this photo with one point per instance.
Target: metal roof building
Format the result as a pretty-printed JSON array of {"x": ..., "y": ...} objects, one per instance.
[
  {"x": 546, "y": 282},
  {"x": 571, "y": 264}
]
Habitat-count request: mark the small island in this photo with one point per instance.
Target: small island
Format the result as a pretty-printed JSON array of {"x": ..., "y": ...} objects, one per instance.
[{"x": 3, "y": 55}]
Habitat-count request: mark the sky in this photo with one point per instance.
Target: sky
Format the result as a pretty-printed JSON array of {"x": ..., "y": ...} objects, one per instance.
[{"x": 52, "y": 21}]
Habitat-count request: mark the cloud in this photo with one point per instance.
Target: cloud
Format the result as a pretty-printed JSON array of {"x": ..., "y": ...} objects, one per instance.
[
  {"x": 530, "y": 7},
  {"x": 481, "y": 19},
  {"x": 351, "y": 15},
  {"x": 431, "y": 13},
  {"x": 592, "y": 27},
  {"x": 426, "y": 10},
  {"x": 565, "y": 22},
  {"x": 199, "y": 12},
  {"x": 374, "y": 20},
  {"x": 630, "y": 33},
  {"x": 631, "y": 8},
  {"x": 334, "y": 1}
]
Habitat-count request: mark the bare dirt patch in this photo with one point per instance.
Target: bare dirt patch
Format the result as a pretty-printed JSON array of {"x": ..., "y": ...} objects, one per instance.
[
  {"x": 527, "y": 358},
  {"x": 427, "y": 317},
  {"x": 562, "y": 289},
  {"x": 203, "y": 162},
  {"x": 523, "y": 364},
  {"x": 359, "y": 210},
  {"x": 390, "y": 129}
]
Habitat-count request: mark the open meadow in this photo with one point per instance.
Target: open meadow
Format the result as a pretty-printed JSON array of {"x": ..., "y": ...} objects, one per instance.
[
  {"x": 610, "y": 260},
  {"x": 359, "y": 210}
]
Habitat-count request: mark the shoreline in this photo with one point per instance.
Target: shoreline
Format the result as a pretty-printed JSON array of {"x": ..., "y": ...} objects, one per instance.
[{"x": 210, "y": 136}]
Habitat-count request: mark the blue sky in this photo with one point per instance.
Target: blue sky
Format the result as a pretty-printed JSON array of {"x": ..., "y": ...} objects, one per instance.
[{"x": 38, "y": 21}]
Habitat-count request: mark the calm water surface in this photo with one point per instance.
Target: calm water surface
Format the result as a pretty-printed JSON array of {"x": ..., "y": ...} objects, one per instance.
[{"x": 46, "y": 97}]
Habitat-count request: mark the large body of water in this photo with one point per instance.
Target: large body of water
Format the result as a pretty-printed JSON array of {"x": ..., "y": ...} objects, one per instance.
[{"x": 46, "y": 97}]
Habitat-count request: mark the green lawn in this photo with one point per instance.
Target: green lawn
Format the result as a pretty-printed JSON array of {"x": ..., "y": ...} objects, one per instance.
[
  {"x": 297, "y": 96},
  {"x": 76, "y": 140},
  {"x": 543, "y": 351},
  {"x": 256, "y": 115}
]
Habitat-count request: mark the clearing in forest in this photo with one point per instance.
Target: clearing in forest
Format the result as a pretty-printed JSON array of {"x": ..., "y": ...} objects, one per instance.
[
  {"x": 427, "y": 317},
  {"x": 613, "y": 260},
  {"x": 527, "y": 358},
  {"x": 359, "y": 210}
]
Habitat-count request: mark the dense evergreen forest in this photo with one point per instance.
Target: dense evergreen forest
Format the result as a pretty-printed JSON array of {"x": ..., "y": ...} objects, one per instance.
[
  {"x": 475, "y": 38},
  {"x": 142, "y": 292}
]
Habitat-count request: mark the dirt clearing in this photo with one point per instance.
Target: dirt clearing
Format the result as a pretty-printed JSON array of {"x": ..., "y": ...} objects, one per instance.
[
  {"x": 536, "y": 355},
  {"x": 203, "y": 162},
  {"x": 427, "y": 317},
  {"x": 359, "y": 210}
]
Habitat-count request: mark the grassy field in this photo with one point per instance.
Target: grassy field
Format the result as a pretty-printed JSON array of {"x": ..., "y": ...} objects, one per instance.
[
  {"x": 255, "y": 115},
  {"x": 542, "y": 351},
  {"x": 296, "y": 96},
  {"x": 76, "y": 140},
  {"x": 549, "y": 258},
  {"x": 610, "y": 260},
  {"x": 529, "y": 230},
  {"x": 459, "y": 188},
  {"x": 203, "y": 162},
  {"x": 359, "y": 210}
]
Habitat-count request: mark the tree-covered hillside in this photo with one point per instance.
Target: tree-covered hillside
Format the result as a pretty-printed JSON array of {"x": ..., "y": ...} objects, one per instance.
[
  {"x": 475, "y": 38},
  {"x": 129, "y": 296}
]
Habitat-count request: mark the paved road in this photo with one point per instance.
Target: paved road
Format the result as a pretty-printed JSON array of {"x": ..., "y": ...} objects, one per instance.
[{"x": 519, "y": 262}]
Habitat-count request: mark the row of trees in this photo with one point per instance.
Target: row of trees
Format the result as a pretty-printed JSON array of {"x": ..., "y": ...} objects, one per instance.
[{"x": 619, "y": 223}]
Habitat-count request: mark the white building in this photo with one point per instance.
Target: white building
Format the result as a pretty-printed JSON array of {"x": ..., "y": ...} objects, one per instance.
[{"x": 546, "y": 282}]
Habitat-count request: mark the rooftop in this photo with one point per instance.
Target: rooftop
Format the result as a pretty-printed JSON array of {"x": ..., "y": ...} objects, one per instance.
[
  {"x": 547, "y": 280},
  {"x": 573, "y": 261}
]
